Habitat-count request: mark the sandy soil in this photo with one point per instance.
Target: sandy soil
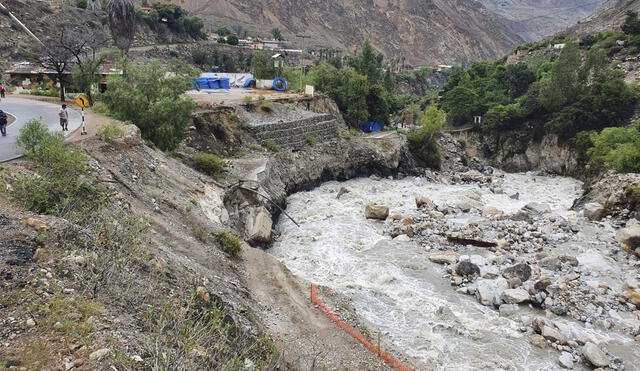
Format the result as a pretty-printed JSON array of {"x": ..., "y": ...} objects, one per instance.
[{"x": 308, "y": 339}]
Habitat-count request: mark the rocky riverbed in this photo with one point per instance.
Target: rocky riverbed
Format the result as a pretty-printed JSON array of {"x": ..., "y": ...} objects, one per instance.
[{"x": 475, "y": 270}]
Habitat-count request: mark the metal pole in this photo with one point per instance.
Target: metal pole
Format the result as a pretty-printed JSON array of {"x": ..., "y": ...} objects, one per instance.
[
  {"x": 302, "y": 61},
  {"x": 5, "y": 10}
]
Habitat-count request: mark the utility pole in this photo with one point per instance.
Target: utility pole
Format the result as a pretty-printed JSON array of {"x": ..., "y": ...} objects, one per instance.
[
  {"x": 302, "y": 61},
  {"x": 4, "y": 10}
]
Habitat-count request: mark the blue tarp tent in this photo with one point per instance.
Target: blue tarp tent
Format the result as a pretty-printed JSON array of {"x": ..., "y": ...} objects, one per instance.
[
  {"x": 372, "y": 127},
  {"x": 247, "y": 83},
  {"x": 213, "y": 83},
  {"x": 225, "y": 83}
]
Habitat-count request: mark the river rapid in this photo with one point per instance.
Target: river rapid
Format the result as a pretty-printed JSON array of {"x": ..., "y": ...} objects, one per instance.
[{"x": 395, "y": 288}]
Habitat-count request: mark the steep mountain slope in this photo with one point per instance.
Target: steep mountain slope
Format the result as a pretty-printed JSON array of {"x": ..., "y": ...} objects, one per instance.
[
  {"x": 424, "y": 31},
  {"x": 610, "y": 15},
  {"x": 537, "y": 19}
]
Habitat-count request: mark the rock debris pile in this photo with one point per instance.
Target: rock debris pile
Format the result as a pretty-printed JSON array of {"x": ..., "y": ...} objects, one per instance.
[{"x": 576, "y": 271}]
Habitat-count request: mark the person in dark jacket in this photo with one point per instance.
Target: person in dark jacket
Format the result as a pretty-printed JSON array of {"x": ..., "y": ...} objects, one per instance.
[{"x": 3, "y": 123}]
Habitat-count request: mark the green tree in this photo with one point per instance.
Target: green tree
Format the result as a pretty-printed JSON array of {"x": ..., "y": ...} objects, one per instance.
[
  {"x": 563, "y": 86},
  {"x": 502, "y": 117},
  {"x": 277, "y": 34},
  {"x": 86, "y": 75},
  {"x": 368, "y": 62},
  {"x": 262, "y": 65},
  {"x": 631, "y": 24},
  {"x": 152, "y": 102},
  {"x": 461, "y": 104},
  {"x": 223, "y": 31},
  {"x": 432, "y": 121},
  {"x": 517, "y": 78},
  {"x": 193, "y": 26},
  {"x": 232, "y": 40},
  {"x": 422, "y": 142}
]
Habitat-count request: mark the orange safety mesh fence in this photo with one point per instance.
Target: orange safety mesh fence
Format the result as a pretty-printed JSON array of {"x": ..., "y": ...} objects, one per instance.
[{"x": 388, "y": 358}]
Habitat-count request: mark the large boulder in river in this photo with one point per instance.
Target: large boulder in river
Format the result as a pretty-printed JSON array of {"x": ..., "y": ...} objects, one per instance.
[
  {"x": 444, "y": 257},
  {"x": 521, "y": 271},
  {"x": 537, "y": 208},
  {"x": 373, "y": 211},
  {"x": 258, "y": 225},
  {"x": 594, "y": 210},
  {"x": 630, "y": 235},
  {"x": 467, "y": 268},
  {"x": 423, "y": 202},
  {"x": 595, "y": 355},
  {"x": 515, "y": 296},
  {"x": 488, "y": 291}
]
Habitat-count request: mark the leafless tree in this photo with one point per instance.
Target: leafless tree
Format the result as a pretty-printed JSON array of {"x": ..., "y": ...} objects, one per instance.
[{"x": 69, "y": 46}]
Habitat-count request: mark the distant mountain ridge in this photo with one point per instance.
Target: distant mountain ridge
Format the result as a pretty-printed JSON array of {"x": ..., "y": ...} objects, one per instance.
[
  {"x": 537, "y": 19},
  {"x": 424, "y": 32}
]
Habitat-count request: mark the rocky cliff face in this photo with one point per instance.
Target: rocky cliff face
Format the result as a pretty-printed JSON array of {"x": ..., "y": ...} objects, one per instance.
[
  {"x": 536, "y": 19},
  {"x": 522, "y": 151},
  {"x": 425, "y": 32}
]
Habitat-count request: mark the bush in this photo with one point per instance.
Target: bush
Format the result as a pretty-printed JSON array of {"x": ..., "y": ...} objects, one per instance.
[
  {"x": 271, "y": 145},
  {"x": 228, "y": 242},
  {"x": 266, "y": 106},
  {"x": 101, "y": 109},
  {"x": 152, "y": 102},
  {"x": 247, "y": 99},
  {"x": 311, "y": 140},
  {"x": 53, "y": 91},
  {"x": 618, "y": 148},
  {"x": 59, "y": 186},
  {"x": 209, "y": 164},
  {"x": 33, "y": 135},
  {"x": 110, "y": 132},
  {"x": 82, "y": 4}
]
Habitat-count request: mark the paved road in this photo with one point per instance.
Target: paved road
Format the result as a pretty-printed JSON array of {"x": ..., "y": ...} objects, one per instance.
[{"x": 25, "y": 110}]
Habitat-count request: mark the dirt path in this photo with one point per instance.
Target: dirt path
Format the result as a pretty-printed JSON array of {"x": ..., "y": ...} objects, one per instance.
[{"x": 308, "y": 339}]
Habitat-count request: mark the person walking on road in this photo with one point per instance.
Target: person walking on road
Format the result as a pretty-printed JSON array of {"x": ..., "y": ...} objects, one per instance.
[
  {"x": 2, "y": 90},
  {"x": 64, "y": 118},
  {"x": 3, "y": 123}
]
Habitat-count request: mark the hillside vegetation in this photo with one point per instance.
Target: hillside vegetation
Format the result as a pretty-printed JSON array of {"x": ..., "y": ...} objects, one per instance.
[{"x": 575, "y": 94}]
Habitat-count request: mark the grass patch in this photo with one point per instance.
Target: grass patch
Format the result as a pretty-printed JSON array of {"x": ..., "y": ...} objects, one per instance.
[
  {"x": 200, "y": 234},
  {"x": 266, "y": 106},
  {"x": 110, "y": 132},
  {"x": 310, "y": 140},
  {"x": 66, "y": 315},
  {"x": 228, "y": 242},
  {"x": 349, "y": 134},
  {"x": 209, "y": 164},
  {"x": 272, "y": 146},
  {"x": 101, "y": 109},
  {"x": 191, "y": 333}
]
